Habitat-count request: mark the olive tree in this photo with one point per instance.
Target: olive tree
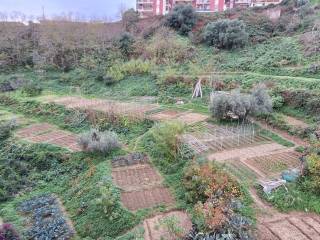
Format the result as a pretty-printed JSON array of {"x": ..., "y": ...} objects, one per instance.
[
  {"x": 238, "y": 105},
  {"x": 182, "y": 18},
  {"x": 225, "y": 34}
]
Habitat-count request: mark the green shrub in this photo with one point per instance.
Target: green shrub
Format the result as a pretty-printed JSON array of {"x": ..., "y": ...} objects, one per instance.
[
  {"x": 121, "y": 70},
  {"x": 125, "y": 44},
  {"x": 182, "y": 18},
  {"x": 96, "y": 141},
  {"x": 225, "y": 34},
  {"x": 163, "y": 144},
  {"x": 167, "y": 48},
  {"x": 313, "y": 173},
  {"x": 32, "y": 89},
  {"x": 6, "y": 129}
]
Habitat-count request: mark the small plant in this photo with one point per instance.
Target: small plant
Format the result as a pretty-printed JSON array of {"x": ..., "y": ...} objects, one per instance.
[
  {"x": 171, "y": 225},
  {"x": 6, "y": 129},
  {"x": 96, "y": 141},
  {"x": 125, "y": 44},
  {"x": 31, "y": 89},
  {"x": 7, "y": 232}
]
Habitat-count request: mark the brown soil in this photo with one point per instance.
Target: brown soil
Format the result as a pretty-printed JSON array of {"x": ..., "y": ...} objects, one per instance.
[
  {"x": 296, "y": 140},
  {"x": 136, "y": 177},
  {"x": 46, "y": 133},
  {"x": 141, "y": 187},
  {"x": 155, "y": 229},
  {"x": 295, "y": 122},
  {"x": 244, "y": 153},
  {"x": 192, "y": 118},
  {"x": 147, "y": 198},
  {"x": 123, "y": 108}
]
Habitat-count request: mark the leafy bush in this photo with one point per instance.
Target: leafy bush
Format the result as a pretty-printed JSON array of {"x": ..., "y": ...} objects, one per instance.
[
  {"x": 230, "y": 105},
  {"x": 6, "y": 129},
  {"x": 167, "y": 48},
  {"x": 313, "y": 173},
  {"x": 32, "y": 89},
  {"x": 18, "y": 161},
  {"x": 261, "y": 101},
  {"x": 132, "y": 67},
  {"x": 13, "y": 83},
  {"x": 163, "y": 144},
  {"x": 7, "y": 232},
  {"x": 225, "y": 34},
  {"x": 203, "y": 180},
  {"x": 182, "y": 18},
  {"x": 236, "y": 105},
  {"x": 107, "y": 199},
  {"x": 125, "y": 44},
  {"x": 94, "y": 140}
]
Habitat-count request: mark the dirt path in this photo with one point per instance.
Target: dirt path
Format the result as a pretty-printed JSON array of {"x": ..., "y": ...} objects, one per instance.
[{"x": 46, "y": 133}]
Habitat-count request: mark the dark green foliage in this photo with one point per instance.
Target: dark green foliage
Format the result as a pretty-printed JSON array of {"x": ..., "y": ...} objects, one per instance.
[
  {"x": 6, "y": 129},
  {"x": 18, "y": 161},
  {"x": 57, "y": 114},
  {"x": 31, "y": 89},
  {"x": 182, "y": 19},
  {"x": 47, "y": 217},
  {"x": 225, "y": 34},
  {"x": 7, "y": 232},
  {"x": 130, "y": 18},
  {"x": 125, "y": 44}
]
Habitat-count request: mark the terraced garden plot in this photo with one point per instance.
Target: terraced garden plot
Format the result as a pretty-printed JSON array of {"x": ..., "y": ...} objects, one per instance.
[
  {"x": 273, "y": 164},
  {"x": 140, "y": 183},
  {"x": 46, "y": 218},
  {"x": 108, "y": 106},
  {"x": 156, "y": 230},
  {"x": 136, "y": 177},
  {"x": 46, "y": 133},
  {"x": 130, "y": 159},
  {"x": 165, "y": 115},
  {"x": 147, "y": 198},
  {"x": 215, "y": 138},
  {"x": 290, "y": 227},
  {"x": 247, "y": 152}
]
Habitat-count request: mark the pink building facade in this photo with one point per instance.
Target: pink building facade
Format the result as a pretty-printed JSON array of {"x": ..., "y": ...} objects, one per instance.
[
  {"x": 161, "y": 7},
  {"x": 148, "y": 8}
]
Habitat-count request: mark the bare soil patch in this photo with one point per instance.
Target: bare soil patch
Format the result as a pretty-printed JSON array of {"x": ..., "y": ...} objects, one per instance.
[
  {"x": 293, "y": 226},
  {"x": 295, "y": 122},
  {"x": 156, "y": 230},
  {"x": 165, "y": 115},
  {"x": 136, "y": 177},
  {"x": 147, "y": 198},
  {"x": 107, "y": 106},
  {"x": 46, "y": 133},
  {"x": 140, "y": 183},
  {"x": 248, "y": 152}
]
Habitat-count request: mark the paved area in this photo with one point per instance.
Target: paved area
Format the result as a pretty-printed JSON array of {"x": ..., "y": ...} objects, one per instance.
[{"x": 46, "y": 133}]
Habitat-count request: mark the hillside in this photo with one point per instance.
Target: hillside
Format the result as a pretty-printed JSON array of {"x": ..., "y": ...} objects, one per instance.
[{"x": 102, "y": 139}]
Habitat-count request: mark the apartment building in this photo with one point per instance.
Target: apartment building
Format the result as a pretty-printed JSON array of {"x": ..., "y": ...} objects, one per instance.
[{"x": 148, "y": 8}]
